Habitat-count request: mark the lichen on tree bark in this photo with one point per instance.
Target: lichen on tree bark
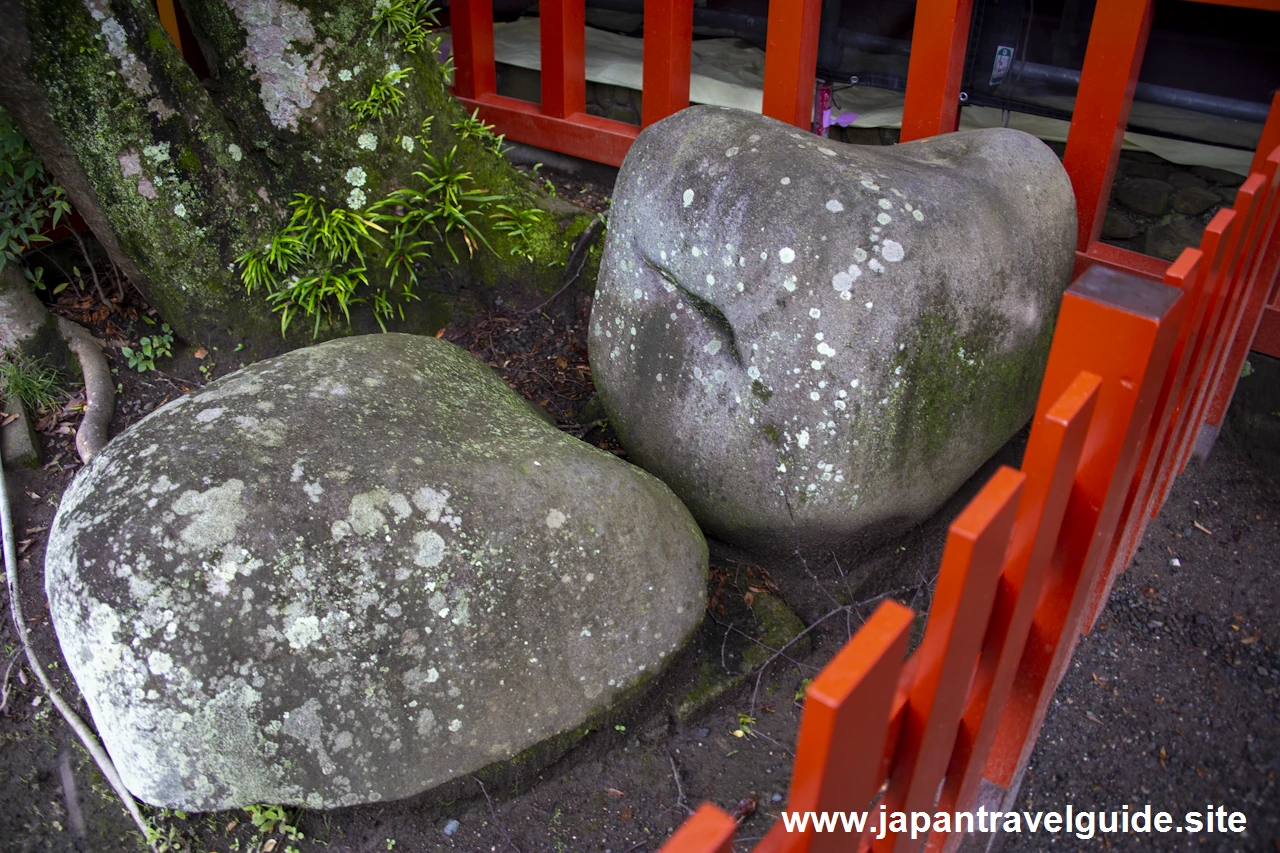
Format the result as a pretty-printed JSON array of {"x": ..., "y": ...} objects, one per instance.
[{"x": 179, "y": 177}]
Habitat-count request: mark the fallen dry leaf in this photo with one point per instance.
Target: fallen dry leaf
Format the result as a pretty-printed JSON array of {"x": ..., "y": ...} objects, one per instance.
[
  {"x": 745, "y": 808},
  {"x": 1202, "y": 528},
  {"x": 200, "y": 353},
  {"x": 8, "y": 419},
  {"x": 614, "y": 792}
]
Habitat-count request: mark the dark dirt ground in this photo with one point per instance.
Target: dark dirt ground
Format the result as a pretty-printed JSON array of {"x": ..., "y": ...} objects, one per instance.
[{"x": 1171, "y": 701}]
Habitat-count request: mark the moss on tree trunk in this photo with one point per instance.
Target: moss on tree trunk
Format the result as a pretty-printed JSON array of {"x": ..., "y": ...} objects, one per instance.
[{"x": 180, "y": 178}]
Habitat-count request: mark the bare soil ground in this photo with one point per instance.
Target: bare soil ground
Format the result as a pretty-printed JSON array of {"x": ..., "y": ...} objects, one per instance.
[{"x": 1171, "y": 701}]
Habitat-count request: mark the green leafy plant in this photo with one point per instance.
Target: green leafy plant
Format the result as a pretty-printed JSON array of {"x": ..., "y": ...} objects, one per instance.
[
  {"x": 29, "y": 200},
  {"x": 31, "y": 380},
  {"x": 516, "y": 224},
  {"x": 150, "y": 348},
  {"x": 314, "y": 265},
  {"x": 268, "y": 819},
  {"x": 473, "y": 127},
  {"x": 410, "y": 21},
  {"x": 385, "y": 97}
]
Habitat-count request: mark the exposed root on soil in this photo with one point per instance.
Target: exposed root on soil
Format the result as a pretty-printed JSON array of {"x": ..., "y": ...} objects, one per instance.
[
  {"x": 73, "y": 720},
  {"x": 99, "y": 391}
]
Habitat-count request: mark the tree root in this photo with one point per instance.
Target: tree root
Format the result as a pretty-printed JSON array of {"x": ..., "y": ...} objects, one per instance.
[{"x": 99, "y": 391}]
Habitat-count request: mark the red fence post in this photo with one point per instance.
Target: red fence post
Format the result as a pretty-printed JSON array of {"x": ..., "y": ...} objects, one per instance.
[
  {"x": 1155, "y": 464},
  {"x": 1256, "y": 277},
  {"x": 471, "y": 29},
  {"x": 668, "y": 51},
  {"x": 1122, "y": 328},
  {"x": 938, "y": 42},
  {"x": 708, "y": 830},
  {"x": 1050, "y": 462},
  {"x": 562, "y": 29},
  {"x": 1117, "y": 40},
  {"x": 846, "y": 718},
  {"x": 971, "y": 564},
  {"x": 791, "y": 61}
]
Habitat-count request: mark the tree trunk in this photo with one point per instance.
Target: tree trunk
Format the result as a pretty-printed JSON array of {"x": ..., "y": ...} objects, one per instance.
[{"x": 185, "y": 182}]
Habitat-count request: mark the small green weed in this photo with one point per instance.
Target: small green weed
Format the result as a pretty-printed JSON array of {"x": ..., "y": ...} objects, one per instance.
[
  {"x": 409, "y": 20},
  {"x": 31, "y": 380},
  {"x": 515, "y": 223},
  {"x": 268, "y": 819},
  {"x": 473, "y": 127},
  {"x": 150, "y": 347},
  {"x": 385, "y": 97}
]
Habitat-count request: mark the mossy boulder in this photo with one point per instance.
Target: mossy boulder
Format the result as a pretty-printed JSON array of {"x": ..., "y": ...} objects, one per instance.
[
  {"x": 816, "y": 344},
  {"x": 355, "y": 572}
]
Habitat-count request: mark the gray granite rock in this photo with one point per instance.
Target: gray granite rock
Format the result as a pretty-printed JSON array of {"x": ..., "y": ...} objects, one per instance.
[
  {"x": 1167, "y": 241},
  {"x": 1185, "y": 180},
  {"x": 1218, "y": 176},
  {"x": 354, "y": 572},
  {"x": 1145, "y": 195},
  {"x": 815, "y": 344},
  {"x": 1194, "y": 201},
  {"x": 1117, "y": 226}
]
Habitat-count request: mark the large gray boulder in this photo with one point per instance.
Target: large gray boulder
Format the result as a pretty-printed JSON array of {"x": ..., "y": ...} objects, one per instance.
[
  {"x": 354, "y": 572},
  {"x": 816, "y": 344}
]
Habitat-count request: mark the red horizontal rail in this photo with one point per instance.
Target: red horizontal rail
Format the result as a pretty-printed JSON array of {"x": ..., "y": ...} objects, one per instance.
[{"x": 590, "y": 137}]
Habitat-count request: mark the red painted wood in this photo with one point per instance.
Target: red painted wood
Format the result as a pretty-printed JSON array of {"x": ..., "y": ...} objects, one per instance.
[
  {"x": 668, "y": 51},
  {"x": 708, "y": 830},
  {"x": 590, "y": 137},
  {"x": 938, "y": 43},
  {"x": 1113, "y": 257},
  {"x": 1222, "y": 293},
  {"x": 971, "y": 564},
  {"x": 562, "y": 31},
  {"x": 1188, "y": 275},
  {"x": 842, "y": 732},
  {"x": 1050, "y": 461},
  {"x": 1213, "y": 246},
  {"x": 471, "y": 30},
  {"x": 1270, "y": 139},
  {"x": 1267, "y": 341},
  {"x": 1117, "y": 40},
  {"x": 791, "y": 61},
  {"x": 1122, "y": 329},
  {"x": 1259, "y": 285}
]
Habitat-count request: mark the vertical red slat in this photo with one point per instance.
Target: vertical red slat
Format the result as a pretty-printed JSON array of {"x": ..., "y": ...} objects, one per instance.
[
  {"x": 977, "y": 543},
  {"x": 1187, "y": 274},
  {"x": 1117, "y": 40},
  {"x": 938, "y": 42},
  {"x": 1213, "y": 247},
  {"x": 708, "y": 830},
  {"x": 471, "y": 30},
  {"x": 1050, "y": 461},
  {"x": 668, "y": 51},
  {"x": 1121, "y": 328},
  {"x": 846, "y": 718},
  {"x": 1251, "y": 203},
  {"x": 1222, "y": 288},
  {"x": 563, "y": 33},
  {"x": 1258, "y": 285},
  {"x": 791, "y": 60},
  {"x": 1270, "y": 139}
]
